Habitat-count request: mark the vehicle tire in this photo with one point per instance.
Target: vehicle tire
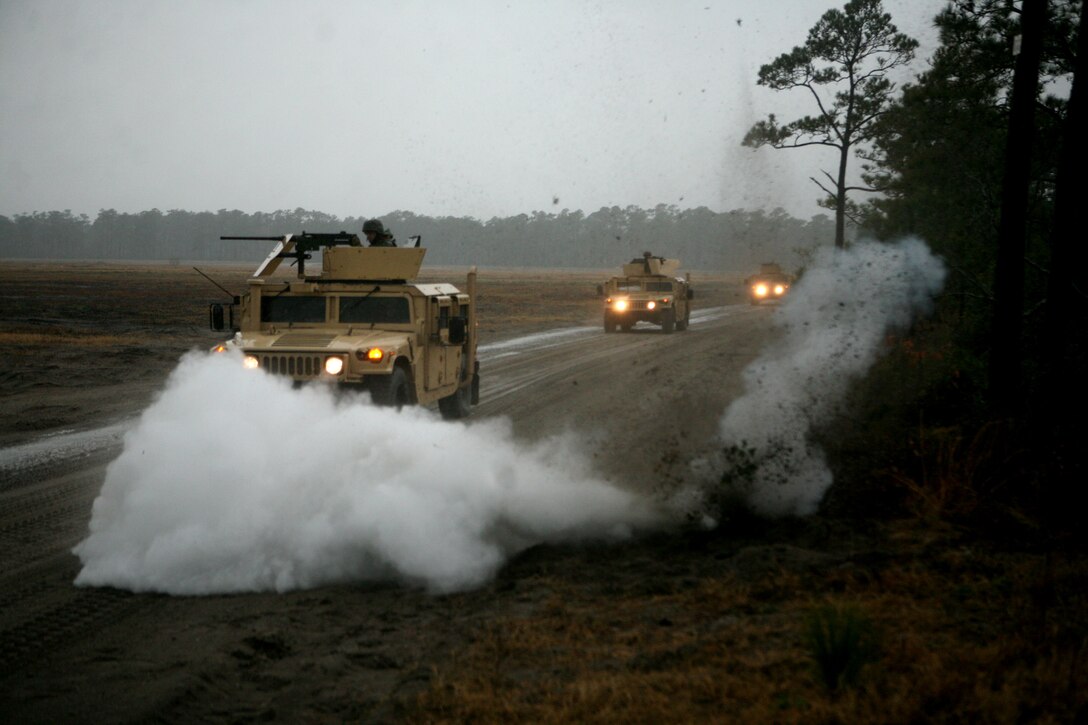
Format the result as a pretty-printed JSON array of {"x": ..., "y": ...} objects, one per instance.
[
  {"x": 626, "y": 327},
  {"x": 668, "y": 321},
  {"x": 682, "y": 325},
  {"x": 392, "y": 390},
  {"x": 609, "y": 323},
  {"x": 458, "y": 405}
]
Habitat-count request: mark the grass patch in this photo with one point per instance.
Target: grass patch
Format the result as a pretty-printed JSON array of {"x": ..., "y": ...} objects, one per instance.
[
  {"x": 63, "y": 338},
  {"x": 841, "y": 641}
]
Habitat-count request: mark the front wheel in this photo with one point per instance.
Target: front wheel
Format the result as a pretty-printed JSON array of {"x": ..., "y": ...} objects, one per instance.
[
  {"x": 457, "y": 405},
  {"x": 391, "y": 390},
  {"x": 609, "y": 323},
  {"x": 668, "y": 321}
]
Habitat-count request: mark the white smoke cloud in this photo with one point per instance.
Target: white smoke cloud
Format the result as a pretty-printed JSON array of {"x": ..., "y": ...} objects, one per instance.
[
  {"x": 236, "y": 482},
  {"x": 835, "y": 321}
]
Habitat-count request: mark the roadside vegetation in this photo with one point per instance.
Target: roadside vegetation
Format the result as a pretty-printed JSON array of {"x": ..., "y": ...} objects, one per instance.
[{"x": 923, "y": 621}]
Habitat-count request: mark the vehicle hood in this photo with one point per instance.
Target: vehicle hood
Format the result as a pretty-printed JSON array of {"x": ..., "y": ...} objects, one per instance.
[{"x": 322, "y": 340}]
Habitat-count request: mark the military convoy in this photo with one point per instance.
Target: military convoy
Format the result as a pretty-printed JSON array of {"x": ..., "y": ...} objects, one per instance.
[
  {"x": 648, "y": 291},
  {"x": 360, "y": 321},
  {"x": 770, "y": 284}
]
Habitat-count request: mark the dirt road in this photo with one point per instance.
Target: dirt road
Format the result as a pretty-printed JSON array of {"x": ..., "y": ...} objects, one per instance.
[{"x": 646, "y": 401}]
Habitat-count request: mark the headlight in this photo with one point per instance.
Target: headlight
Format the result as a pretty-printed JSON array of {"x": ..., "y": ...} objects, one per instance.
[
  {"x": 219, "y": 348},
  {"x": 779, "y": 289},
  {"x": 375, "y": 354},
  {"x": 760, "y": 290},
  {"x": 250, "y": 362},
  {"x": 619, "y": 305},
  {"x": 333, "y": 365},
  {"x": 651, "y": 304}
]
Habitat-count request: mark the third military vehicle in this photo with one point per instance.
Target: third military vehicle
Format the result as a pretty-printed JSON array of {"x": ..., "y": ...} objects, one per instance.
[
  {"x": 648, "y": 291},
  {"x": 358, "y": 321}
]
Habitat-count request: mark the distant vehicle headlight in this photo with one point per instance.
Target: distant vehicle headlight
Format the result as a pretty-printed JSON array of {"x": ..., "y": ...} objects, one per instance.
[
  {"x": 334, "y": 365},
  {"x": 651, "y": 304},
  {"x": 760, "y": 290},
  {"x": 619, "y": 305},
  {"x": 779, "y": 289},
  {"x": 250, "y": 362}
]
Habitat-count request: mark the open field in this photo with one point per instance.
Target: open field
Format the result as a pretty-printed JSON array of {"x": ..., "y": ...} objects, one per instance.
[
  {"x": 925, "y": 621},
  {"x": 108, "y": 333}
]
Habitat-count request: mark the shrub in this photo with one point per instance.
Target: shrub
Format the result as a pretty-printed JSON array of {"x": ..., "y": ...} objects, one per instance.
[{"x": 841, "y": 641}]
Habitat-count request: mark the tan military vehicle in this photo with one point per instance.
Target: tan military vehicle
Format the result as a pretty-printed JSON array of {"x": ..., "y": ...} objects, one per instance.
[
  {"x": 358, "y": 321},
  {"x": 648, "y": 291},
  {"x": 769, "y": 285}
]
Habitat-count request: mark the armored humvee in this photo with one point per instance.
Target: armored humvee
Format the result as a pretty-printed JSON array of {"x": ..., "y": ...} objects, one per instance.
[
  {"x": 358, "y": 322},
  {"x": 769, "y": 285},
  {"x": 648, "y": 291}
]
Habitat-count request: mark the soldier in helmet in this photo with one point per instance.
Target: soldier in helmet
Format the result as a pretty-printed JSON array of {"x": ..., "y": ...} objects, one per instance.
[{"x": 377, "y": 235}]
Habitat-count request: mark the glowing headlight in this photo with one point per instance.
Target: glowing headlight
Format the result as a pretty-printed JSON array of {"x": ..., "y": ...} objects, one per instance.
[
  {"x": 333, "y": 365},
  {"x": 779, "y": 289},
  {"x": 619, "y": 305},
  {"x": 219, "y": 348},
  {"x": 375, "y": 354},
  {"x": 651, "y": 304},
  {"x": 760, "y": 290},
  {"x": 250, "y": 362}
]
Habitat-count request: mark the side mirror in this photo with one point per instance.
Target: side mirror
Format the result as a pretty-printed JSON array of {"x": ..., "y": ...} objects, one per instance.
[
  {"x": 216, "y": 318},
  {"x": 458, "y": 331}
]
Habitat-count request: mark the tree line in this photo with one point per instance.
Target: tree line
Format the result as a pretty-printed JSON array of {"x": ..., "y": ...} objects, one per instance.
[{"x": 736, "y": 240}]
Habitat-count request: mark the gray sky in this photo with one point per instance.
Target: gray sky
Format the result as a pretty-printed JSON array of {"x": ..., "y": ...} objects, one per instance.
[{"x": 462, "y": 108}]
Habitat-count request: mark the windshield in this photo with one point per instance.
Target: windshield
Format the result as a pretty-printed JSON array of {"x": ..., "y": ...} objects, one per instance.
[
  {"x": 292, "y": 309},
  {"x": 384, "y": 310},
  {"x": 630, "y": 286}
]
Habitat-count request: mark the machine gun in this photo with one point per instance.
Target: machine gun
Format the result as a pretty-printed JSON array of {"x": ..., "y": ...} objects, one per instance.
[{"x": 299, "y": 247}]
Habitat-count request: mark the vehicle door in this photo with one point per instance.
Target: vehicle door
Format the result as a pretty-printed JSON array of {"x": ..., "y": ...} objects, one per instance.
[{"x": 438, "y": 332}]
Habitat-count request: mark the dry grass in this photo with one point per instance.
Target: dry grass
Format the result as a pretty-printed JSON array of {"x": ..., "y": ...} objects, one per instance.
[
  {"x": 955, "y": 473},
  {"x": 959, "y": 640},
  {"x": 33, "y": 341}
]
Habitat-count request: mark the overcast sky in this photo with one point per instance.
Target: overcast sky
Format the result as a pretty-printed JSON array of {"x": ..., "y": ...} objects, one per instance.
[{"x": 441, "y": 107}]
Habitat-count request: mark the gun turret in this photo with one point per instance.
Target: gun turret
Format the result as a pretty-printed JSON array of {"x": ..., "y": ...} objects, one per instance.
[{"x": 299, "y": 246}]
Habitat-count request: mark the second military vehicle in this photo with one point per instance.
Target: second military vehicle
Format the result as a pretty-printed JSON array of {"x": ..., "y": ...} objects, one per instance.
[
  {"x": 769, "y": 285},
  {"x": 359, "y": 321},
  {"x": 648, "y": 291}
]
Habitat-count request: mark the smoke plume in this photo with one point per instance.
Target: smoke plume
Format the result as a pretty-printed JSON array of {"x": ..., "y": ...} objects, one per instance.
[
  {"x": 835, "y": 320},
  {"x": 233, "y": 481}
]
